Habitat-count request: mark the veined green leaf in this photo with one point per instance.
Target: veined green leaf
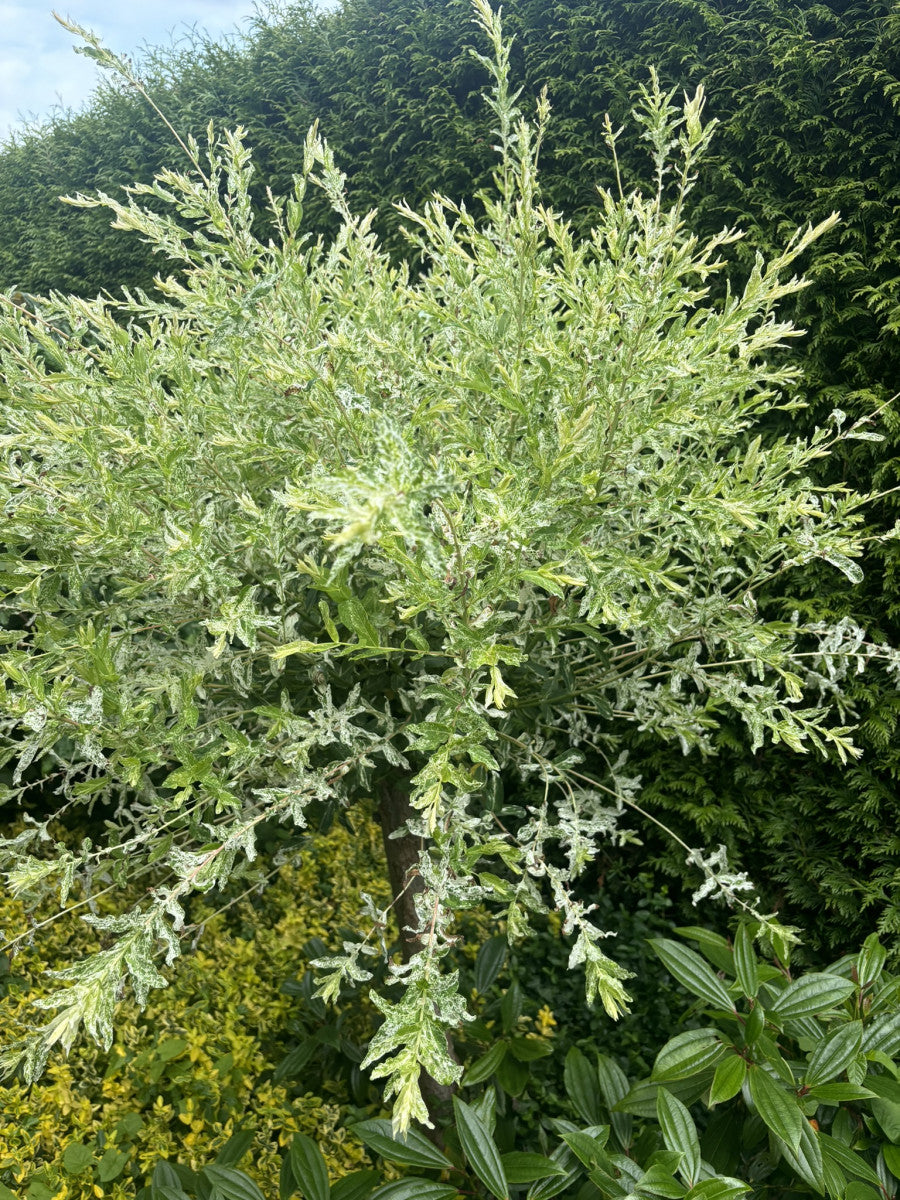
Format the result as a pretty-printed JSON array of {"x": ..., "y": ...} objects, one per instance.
[
  {"x": 689, "y": 969},
  {"x": 845, "y": 1158},
  {"x": 414, "y": 1150},
  {"x": 479, "y": 1148},
  {"x": 728, "y": 1079},
  {"x": 778, "y": 1108},
  {"x": 309, "y": 1169},
  {"x": 412, "y": 1188},
  {"x": 808, "y": 995},
  {"x": 834, "y": 1053},
  {"x": 484, "y": 1067},
  {"x": 614, "y": 1086},
  {"x": 358, "y": 1185},
  {"x": 806, "y": 1157},
  {"x": 718, "y": 1189},
  {"x": 588, "y": 1150},
  {"x": 687, "y": 1054},
  {"x": 745, "y": 963},
  {"x": 679, "y": 1133},
  {"x": 230, "y": 1184},
  {"x": 521, "y": 1167},
  {"x": 583, "y": 1087}
]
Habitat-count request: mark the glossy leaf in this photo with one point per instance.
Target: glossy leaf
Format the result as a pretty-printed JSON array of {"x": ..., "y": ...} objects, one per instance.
[
  {"x": 713, "y": 945},
  {"x": 412, "y": 1188},
  {"x": 778, "y": 1108},
  {"x": 357, "y": 1185},
  {"x": 414, "y": 1150},
  {"x": 679, "y": 1133},
  {"x": 870, "y": 961},
  {"x": 521, "y": 1167},
  {"x": 883, "y": 1034},
  {"x": 690, "y": 969},
  {"x": 583, "y": 1086},
  {"x": 479, "y": 1148},
  {"x": 546, "y": 1189},
  {"x": 745, "y": 962},
  {"x": 483, "y": 1068},
  {"x": 235, "y": 1148},
  {"x": 848, "y": 1160},
  {"x": 806, "y": 1157},
  {"x": 230, "y": 1184},
  {"x": 718, "y": 1189},
  {"x": 588, "y": 1150},
  {"x": 833, "y": 1053},
  {"x": 489, "y": 962},
  {"x": 810, "y": 994},
  {"x": 309, "y": 1169},
  {"x": 728, "y": 1079},
  {"x": 527, "y": 1049},
  {"x": 614, "y": 1086},
  {"x": 688, "y": 1054}
]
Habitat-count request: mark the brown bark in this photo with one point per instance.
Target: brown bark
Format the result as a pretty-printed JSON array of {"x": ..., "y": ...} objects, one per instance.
[{"x": 402, "y": 854}]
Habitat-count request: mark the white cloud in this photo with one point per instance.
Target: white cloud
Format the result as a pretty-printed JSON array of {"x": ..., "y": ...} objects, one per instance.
[{"x": 39, "y": 69}]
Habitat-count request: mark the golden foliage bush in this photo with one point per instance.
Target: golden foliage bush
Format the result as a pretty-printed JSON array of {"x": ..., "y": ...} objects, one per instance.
[{"x": 195, "y": 1065}]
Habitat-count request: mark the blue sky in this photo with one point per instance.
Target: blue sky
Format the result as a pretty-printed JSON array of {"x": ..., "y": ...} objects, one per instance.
[{"x": 39, "y": 69}]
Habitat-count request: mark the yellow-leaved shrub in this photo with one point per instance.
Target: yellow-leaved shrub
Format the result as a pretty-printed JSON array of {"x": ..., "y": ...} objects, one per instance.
[{"x": 195, "y": 1065}]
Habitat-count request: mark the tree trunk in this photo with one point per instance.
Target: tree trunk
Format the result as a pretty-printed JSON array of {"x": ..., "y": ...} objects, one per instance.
[{"x": 402, "y": 855}]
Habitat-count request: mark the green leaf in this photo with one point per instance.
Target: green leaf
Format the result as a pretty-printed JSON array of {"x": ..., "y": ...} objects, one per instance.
[
  {"x": 414, "y": 1151},
  {"x": 171, "y": 1048},
  {"x": 883, "y": 1034},
  {"x": 545, "y": 1189},
  {"x": 806, "y": 1158},
  {"x": 839, "y": 1093},
  {"x": 658, "y": 1180},
  {"x": 714, "y": 946},
  {"x": 230, "y": 1184},
  {"x": 527, "y": 1049},
  {"x": 484, "y": 1067},
  {"x": 521, "y": 1167},
  {"x": 833, "y": 1054},
  {"x": 614, "y": 1086},
  {"x": 111, "y": 1164},
  {"x": 870, "y": 961},
  {"x": 357, "y": 1185},
  {"x": 779, "y": 1110},
  {"x": 583, "y": 1087},
  {"x": 353, "y": 615},
  {"x": 286, "y": 1182},
  {"x": 309, "y": 1169},
  {"x": 588, "y": 1150},
  {"x": 6, "y": 1194},
  {"x": 891, "y": 1155},
  {"x": 810, "y": 994},
  {"x": 235, "y": 1148},
  {"x": 489, "y": 962},
  {"x": 479, "y": 1149},
  {"x": 77, "y": 1158},
  {"x": 745, "y": 963},
  {"x": 412, "y": 1188},
  {"x": 718, "y": 1189},
  {"x": 728, "y": 1079},
  {"x": 690, "y": 970},
  {"x": 845, "y": 1158},
  {"x": 679, "y": 1133},
  {"x": 687, "y": 1054}
]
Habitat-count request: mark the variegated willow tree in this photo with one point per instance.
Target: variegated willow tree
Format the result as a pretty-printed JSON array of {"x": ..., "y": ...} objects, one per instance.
[{"x": 304, "y": 530}]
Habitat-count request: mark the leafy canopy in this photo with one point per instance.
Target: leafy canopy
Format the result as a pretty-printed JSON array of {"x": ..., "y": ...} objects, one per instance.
[{"x": 301, "y": 522}]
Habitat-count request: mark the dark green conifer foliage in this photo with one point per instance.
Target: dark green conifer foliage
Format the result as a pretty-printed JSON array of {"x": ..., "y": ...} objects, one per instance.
[{"x": 808, "y": 96}]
